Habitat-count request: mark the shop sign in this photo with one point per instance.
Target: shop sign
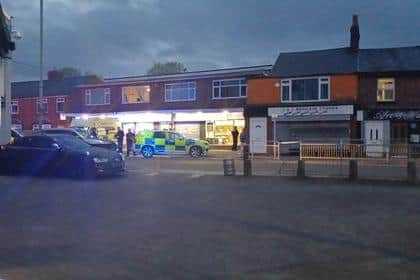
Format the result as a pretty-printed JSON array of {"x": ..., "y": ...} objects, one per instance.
[
  {"x": 406, "y": 115},
  {"x": 311, "y": 111}
]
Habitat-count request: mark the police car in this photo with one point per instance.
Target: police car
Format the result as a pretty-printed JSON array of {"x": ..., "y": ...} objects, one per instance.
[{"x": 156, "y": 142}]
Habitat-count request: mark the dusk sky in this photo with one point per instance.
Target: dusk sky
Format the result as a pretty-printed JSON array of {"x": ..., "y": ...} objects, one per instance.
[{"x": 125, "y": 37}]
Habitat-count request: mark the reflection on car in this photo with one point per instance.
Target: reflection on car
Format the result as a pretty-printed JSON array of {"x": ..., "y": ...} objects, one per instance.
[{"x": 58, "y": 155}]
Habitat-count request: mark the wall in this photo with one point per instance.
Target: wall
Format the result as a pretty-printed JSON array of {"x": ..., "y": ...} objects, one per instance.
[
  {"x": 343, "y": 89},
  {"x": 28, "y": 116},
  {"x": 407, "y": 89},
  {"x": 263, "y": 91},
  {"x": 157, "y": 99}
]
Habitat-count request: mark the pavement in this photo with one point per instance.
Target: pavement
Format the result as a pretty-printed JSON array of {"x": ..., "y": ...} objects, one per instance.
[{"x": 196, "y": 226}]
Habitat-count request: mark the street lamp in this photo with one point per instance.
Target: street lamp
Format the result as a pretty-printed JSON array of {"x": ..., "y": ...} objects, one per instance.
[{"x": 41, "y": 60}]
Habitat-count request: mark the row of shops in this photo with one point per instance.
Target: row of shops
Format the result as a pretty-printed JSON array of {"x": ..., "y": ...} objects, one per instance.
[{"x": 212, "y": 124}]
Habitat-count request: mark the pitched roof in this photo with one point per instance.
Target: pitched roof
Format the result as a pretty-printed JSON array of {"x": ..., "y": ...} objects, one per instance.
[
  {"x": 308, "y": 63},
  {"x": 344, "y": 61},
  {"x": 63, "y": 86},
  {"x": 389, "y": 60},
  {"x": 214, "y": 73}
]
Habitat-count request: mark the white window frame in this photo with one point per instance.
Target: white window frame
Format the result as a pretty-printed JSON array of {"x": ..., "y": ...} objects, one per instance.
[
  {"x": 15, "y": 103},
  {"x": 377, "y": 89},
  {"x": 321, "y": 81},
  {"x": 194, "y": 86},
  {"x": 59, "y": 100},
  {"x": 122, "y": 94},
  {"x": 220, "y": 86},
  {"x": 44, "y": 101},
  {"x": 107, "y": 97}
]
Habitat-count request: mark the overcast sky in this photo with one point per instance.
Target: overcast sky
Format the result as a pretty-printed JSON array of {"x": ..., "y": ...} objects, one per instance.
[{"x": 125, "y": 37}]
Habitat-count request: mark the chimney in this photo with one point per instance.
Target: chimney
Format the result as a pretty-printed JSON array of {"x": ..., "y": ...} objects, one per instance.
[
  {"x": 354, "y": 34},
  {"x": 54, "y": 75}
]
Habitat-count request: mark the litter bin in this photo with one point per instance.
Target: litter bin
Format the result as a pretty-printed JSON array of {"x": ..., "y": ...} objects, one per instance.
[{"x": 229, "y": 167}]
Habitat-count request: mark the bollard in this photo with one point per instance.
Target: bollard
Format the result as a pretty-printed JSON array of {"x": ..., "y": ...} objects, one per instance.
[
  {"x": 229, "y": 167},
  {"x": 411, "y": 171},
  {"x": 301, "y": 169},
  {"x": 353, "y": 170},
  {"x": 247, "y": 161}
]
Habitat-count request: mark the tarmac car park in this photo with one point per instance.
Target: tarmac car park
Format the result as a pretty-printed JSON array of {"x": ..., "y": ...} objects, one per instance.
[{"x": 156, "y": 142}]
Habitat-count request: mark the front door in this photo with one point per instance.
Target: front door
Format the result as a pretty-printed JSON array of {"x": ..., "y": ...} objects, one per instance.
[
  {"x": 376, "y": 137},
  {"x": 258, "y": 135}
]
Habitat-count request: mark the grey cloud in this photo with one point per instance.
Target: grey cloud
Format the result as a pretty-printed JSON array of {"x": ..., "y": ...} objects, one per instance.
[{"x": 124, "y": 37}]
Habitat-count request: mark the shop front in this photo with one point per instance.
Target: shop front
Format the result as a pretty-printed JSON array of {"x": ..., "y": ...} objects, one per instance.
[
  {"x": 396, "y": 125},
  {"x": 212, "y": 124},
  {"x": 321, "y": 124}
]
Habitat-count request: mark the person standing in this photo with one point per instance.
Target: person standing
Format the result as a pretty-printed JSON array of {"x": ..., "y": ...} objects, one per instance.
[
  {"x": 120, "y": 139},
  {"x": 130, "y": 138},
  {"x": 93, "y": 133},
  {"x": 235, "y": 134}
]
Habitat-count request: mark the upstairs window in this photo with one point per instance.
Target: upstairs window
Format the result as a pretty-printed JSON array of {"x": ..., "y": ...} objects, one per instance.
[
  {"x": 386, "y": 90},
  {"x": 15, "y": 107},
  {"x": 60, "y": 104},
  {"x": 98, "y": 96},
  {"x": 180, "y": 92},
  {"x": 305, "y": 90},
  {"x": 42, "y": 106},
  {"x": 230, "y": 88},
  {"x": 135, "y": 94}
]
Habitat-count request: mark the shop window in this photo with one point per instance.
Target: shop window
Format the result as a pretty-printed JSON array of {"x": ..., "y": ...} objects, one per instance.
[
  {"x": 15, "y": 107},
  {"x": 386, "y": 90},
  {"x": 305, "y": 90},
  {"x": 399, "y": 132},
  {"x": 42, "y": 106},
  {"x": 231, "y": 88},
  {"x": 180, "y": 92},
  {"x": 98, "y": 96},
  {"x": 60, "y": 105},
  {"x": 135, "y": 94}
]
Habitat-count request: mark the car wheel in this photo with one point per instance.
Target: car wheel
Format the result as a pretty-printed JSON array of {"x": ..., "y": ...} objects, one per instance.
[
  {"x": 196, "y": 151},
  {"x": 147, "y": 152}
]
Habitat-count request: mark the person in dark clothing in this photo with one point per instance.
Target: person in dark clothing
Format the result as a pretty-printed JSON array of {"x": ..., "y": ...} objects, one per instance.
[
  {"x": 120, "y": 139},
  {"x": 235, "y": 134},
  {"x": 93, "y": 133},
  {"x": 130, "y": 139}
]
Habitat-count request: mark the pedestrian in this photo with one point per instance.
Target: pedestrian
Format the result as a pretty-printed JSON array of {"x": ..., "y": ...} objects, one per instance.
[
  {"x": 130, "y": 138},
  {"x": 93, "y": 133},
  {"x": 120, "y": 139},
  {"x": 235, "y": 134}
]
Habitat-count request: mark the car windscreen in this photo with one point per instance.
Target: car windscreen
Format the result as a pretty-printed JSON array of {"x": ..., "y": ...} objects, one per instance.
[
  {"x": 82, "y": 132},
  {"x": 71, "y": 142}
]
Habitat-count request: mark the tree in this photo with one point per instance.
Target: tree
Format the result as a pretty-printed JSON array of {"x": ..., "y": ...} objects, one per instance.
[{"x": 171, "y": 67}]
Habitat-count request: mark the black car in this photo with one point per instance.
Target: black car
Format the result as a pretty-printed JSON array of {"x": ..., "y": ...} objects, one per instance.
[
  {"x": 60, "y": 155},
  {"x": 91, "y": 141}
]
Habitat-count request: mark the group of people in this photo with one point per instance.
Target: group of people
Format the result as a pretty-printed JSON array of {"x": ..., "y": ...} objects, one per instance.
[{"x": 130, "y": 138}]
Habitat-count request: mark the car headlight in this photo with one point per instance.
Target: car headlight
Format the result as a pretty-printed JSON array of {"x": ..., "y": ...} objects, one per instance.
[{"x": 100, "y": 160}]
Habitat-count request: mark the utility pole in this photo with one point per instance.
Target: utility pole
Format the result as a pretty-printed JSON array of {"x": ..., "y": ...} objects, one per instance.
[{"x": 41, "y": 61}]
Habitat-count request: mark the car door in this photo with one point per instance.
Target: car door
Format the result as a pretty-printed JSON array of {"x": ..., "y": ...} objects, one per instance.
[
  {"x": 180, "y": 144},
  {"x": 44, "y": 154}
]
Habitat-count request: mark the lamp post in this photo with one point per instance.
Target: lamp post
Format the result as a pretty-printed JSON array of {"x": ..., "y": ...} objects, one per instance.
[{"x": 41, "y": 61}]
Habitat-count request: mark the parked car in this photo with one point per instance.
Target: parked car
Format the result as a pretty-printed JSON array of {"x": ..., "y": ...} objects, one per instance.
[
  {"x": 91, "y": 141},
  {"x": 151, "y": 142},
  {"x": 14, "y": 134},
  {"x": 58, "y": 155}
]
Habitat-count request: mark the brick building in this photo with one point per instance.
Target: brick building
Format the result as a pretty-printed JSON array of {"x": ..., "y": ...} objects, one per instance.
[
  {"x": 201, "y": 104},
  {"x": 28, "y": 111}
]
